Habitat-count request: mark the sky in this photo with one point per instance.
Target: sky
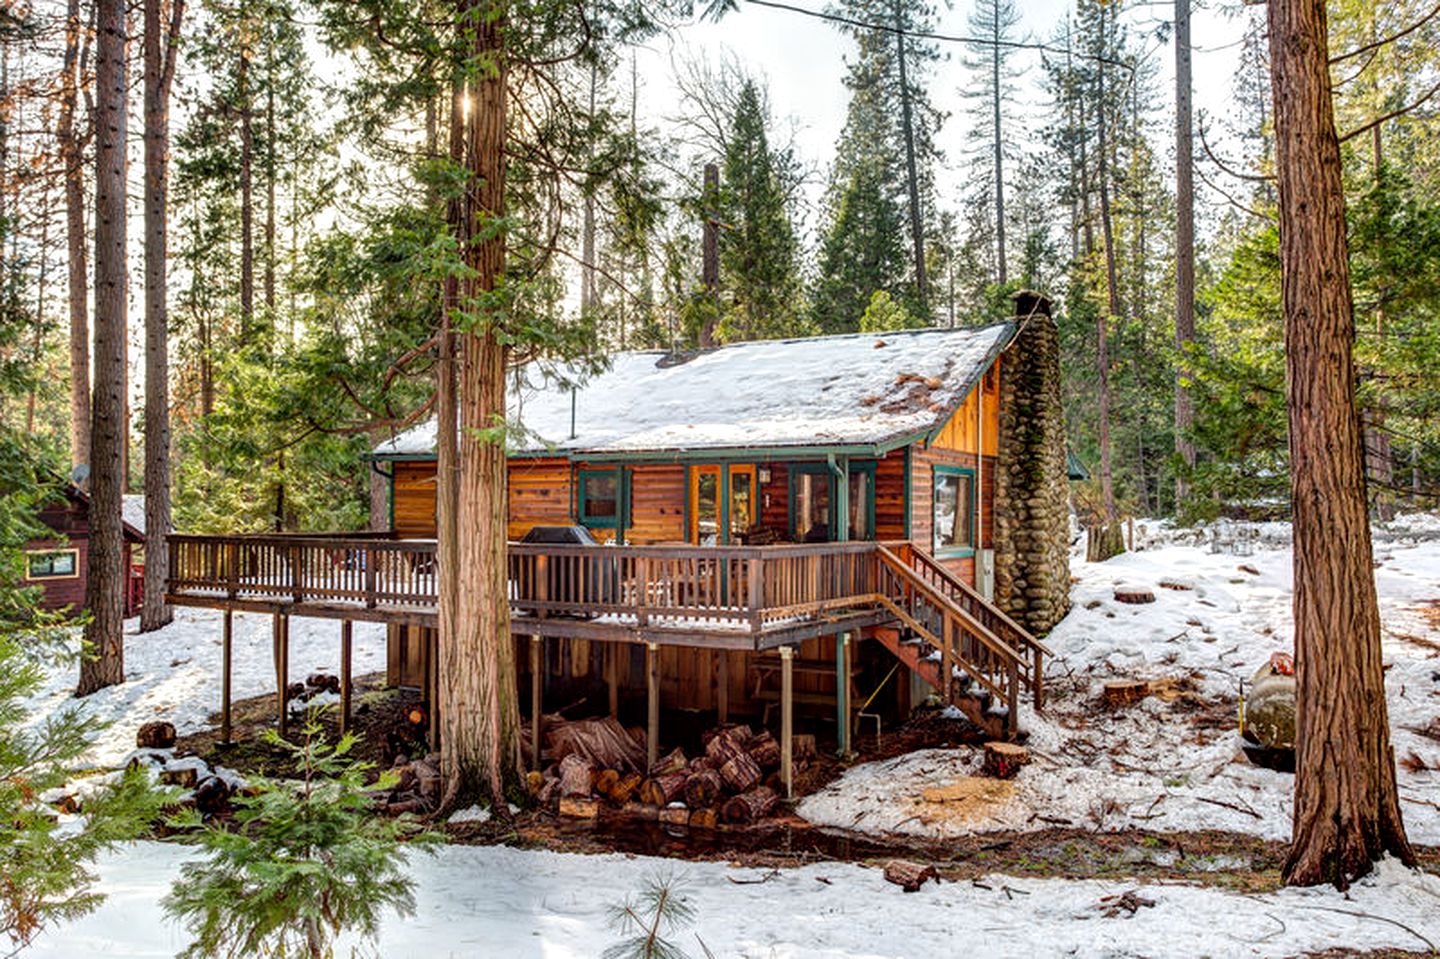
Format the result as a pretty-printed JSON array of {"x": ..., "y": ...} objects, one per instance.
[{"x": 803, "y": 60}]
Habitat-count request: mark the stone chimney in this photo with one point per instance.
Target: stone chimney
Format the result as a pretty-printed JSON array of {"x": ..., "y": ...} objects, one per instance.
[{"x": 1032, "y": 505}]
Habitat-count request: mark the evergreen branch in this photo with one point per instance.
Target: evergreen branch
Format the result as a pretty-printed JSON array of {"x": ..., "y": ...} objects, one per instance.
[
  {"x": 1226, "y": 168},
  {"x": 1384, "y": 41},
  {"x": 1401, "y": 111}
]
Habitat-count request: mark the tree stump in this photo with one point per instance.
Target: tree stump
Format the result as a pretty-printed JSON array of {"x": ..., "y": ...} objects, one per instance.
[
  {"x": 1124, "y": 692},
  {"x": 1134, "y": 595},
  {"x": 1003, "y": 760},
  {"x": 909, "y": 876},
  {"x": 159, "y": 735}
]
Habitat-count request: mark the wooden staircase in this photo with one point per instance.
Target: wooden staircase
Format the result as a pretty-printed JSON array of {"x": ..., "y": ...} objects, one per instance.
[{"x": 978, "y": 659}]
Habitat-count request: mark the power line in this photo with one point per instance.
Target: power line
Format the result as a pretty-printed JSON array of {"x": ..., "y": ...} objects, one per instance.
[{"x": 939, "y": 37}]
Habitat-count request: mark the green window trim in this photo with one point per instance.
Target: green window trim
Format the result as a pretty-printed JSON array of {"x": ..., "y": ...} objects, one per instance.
[
  {"x": 52, "y": 564},
  {"x": 953, "y": 552},
  {"x": 619, "y": 520}
]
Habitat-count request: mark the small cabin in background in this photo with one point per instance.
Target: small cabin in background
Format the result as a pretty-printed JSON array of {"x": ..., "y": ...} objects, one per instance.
[{"x": 60, "y": 564}]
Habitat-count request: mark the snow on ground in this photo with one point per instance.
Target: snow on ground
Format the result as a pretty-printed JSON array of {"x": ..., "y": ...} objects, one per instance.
[
  {"x": 1169, "y": 762},
  {"x": 497, "y": 901},
  {"x": 174, "y": 673}
]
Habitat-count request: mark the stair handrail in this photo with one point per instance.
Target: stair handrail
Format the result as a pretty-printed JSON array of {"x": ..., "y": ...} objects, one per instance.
[
  {"x": 1015, "y": 629},
  {"x": 975, "y": 673}
]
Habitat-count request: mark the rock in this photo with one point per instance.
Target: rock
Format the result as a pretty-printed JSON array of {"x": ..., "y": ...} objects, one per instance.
[{"x": 157, "y": 735}]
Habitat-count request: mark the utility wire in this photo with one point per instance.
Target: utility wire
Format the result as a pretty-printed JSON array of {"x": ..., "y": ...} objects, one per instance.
[{"x": 939, "y": 37}]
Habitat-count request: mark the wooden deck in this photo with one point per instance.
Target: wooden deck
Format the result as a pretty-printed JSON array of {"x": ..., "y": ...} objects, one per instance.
[{"x": 749, "y": 598}]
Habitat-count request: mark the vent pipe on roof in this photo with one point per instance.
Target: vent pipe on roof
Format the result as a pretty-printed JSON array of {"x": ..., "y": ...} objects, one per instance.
[{"x": 573, "y": 391}]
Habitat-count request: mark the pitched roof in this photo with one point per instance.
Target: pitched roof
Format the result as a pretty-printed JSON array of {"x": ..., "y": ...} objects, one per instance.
[{"x": 860, "y": 389}]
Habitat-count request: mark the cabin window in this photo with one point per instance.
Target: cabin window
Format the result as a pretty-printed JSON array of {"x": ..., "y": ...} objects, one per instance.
[
  {"x": 52, "y": 564},
  {"x": 602, "y": 498},
  {"x": 812, "y": 507},
  {"x": 954, "y": 511}
]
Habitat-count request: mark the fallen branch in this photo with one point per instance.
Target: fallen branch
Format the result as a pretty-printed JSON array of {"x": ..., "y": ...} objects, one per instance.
[
  {"x": 1220, "y": 802},
  {"x": 1370, "y": 915}
]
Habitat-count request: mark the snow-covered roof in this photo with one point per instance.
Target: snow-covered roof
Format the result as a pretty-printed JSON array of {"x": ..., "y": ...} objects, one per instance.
[
  {"x": 132, "y": 509},
  {"x": 860, "y": 389}
]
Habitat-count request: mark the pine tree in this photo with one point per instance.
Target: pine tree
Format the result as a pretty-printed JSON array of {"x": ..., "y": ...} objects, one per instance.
[
  {"x": 758, "y": 247},
  {"x": 993, "y": 21},
  {"x": 302, "y": 861}
]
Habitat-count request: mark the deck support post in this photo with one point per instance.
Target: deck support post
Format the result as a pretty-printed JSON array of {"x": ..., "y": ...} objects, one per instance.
[
  {"x": 612, "y": 676},
  {"x": 347, "y": 630},
  {"x": 281, "y": 640},
  {"x": 537, "y": 697},
  {"x": 842, "y": 694},
  {"x": 431, "y": 639},
  {"x": 652, "y": 703},
  {"x": 722, "y": 685},
  {"x": 787, "y": 720},
  {"x": 227, "y": 668}
]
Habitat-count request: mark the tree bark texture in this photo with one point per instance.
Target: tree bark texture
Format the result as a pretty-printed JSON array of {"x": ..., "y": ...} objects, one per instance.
[
  {"x": 917, "y": 229},
  {"x": 161, "y": 36},
  {"x": 247, "y": 192},
  {"x": 1102, "y": 324},
  {"x": 996, "y": 62},
  {"x": 1184, "y": 245},
  {"x": 1347, "y": 811},
  {"x": 104, "y": 664},
  {"x": 71, "y": 159},
  {"x": 480, "y": 741}
]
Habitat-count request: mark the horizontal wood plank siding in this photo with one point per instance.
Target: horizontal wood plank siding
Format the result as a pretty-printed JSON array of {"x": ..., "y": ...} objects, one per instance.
[
  {"x": 413, "y": 500},
  {"x": 540, "y": 495},
  {"x": 890, "y": 496}
]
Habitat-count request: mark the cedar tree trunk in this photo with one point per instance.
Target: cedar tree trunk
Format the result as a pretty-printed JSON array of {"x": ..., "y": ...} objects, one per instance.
[
  {"x": 161, "y": 34},
  {"x": 71, "y": 160},
  {"x": 1347, "y": 811},
  {"x": 104, "y": 663}
]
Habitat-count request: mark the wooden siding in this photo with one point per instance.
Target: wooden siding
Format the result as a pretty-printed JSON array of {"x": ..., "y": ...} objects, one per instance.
[
  {"x": 412, "y": 502},
  {"x": 890, "y": 496},
  {"x": 540, "y": 495},
  {"x": 70, "y": 519},
  {"x": 657, "y": 504},
  {"x": 959, "y": 432}
]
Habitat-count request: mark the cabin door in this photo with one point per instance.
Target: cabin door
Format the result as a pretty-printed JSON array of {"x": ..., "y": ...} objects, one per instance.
[
  {"x": 812, "y": 493},
  {"x": 722, "y": 503}
]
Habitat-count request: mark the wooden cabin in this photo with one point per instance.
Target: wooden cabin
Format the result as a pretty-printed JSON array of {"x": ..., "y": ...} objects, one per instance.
[
  {"x": 804, "y": 524},
  {"x": 60, "y": 563}
]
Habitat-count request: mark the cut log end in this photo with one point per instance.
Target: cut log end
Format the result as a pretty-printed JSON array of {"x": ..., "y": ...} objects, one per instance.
[
  {"x": 909, "y": 876},
  {"x": 1003, "y": 760}
]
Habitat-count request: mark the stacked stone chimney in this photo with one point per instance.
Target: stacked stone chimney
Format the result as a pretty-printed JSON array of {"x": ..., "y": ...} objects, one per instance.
[{"x": 1032, "y": 507}]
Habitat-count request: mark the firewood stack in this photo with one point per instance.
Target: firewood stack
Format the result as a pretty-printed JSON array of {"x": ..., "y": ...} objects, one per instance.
[
  {"x": 417, "y": 787},
  {"x": 736, "y": 780}
]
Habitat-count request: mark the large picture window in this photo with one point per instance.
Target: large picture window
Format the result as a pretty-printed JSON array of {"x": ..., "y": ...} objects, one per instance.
[
  {"x": 52, "y": 564},
  {"x": 954, "y": 511},
  {"x": 602, "y": 498}
]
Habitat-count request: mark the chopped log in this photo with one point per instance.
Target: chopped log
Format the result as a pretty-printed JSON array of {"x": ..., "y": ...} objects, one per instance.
[
  {"x": 802, "y": 747},
  {"x": 323, "y": 683},
  {"x": 625, "y": 788},
  {"x": 728, "y": 743},
  {"x": 1003, "y": 760},
  {"x": 663, "y": 790},
  {"x": 738, "y": 730},
  {"x": 1124, "y": 692},
  {"x": 701, "y": 762},
  {"x": 909, "y": 876},
  {"x": 749, "y": 806},
  {"x": 605, "y": 781},
  {"x": 740, "y": 773},
  {"x": 579, "y": 807},
  {"x": 602, "y": 741},
  {"x": 641, "y": 810},
  {"x": 668, "y": 764},
  {"x": 296, "y": 692},
  {"x": 675, "y": 814},
  {"x": 703, "y": 788},
  {"x": 577, "y": 776},
  {"x": 704, "y": 819},
  {"x": 157, "y": 735},
  {"x": 1134, "y": 595},
  {"x": 549, "y": 793},
  {"x": 765, "y": 750}
]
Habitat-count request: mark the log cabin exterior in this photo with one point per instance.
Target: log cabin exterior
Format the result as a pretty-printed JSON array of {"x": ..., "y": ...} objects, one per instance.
[
  {"x": 59, "y": 563},
  {"x": 783, "y": 523}
]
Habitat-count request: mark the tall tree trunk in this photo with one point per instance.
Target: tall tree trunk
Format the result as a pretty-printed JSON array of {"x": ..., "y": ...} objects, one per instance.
[
  {"x": 42, "y": 288},
  {"x": 1102, "y": 324},
  {"x": 1184, "y": 248},
  {"x": 1347, "y": 810},
  {"x": 247, "y": 190},
  {"x": 270, "y": 182},
  {"x": 998, "y": 141},
  {"x": 480, "y": 716},
  {"x": 917, "y": 230},
  {"x": 104, "y": 664},
  {"x": 71, "y": 159},
  {"x": 587, "y": 226},
  {"x": 710, "y": 253},
  {"x": 161, "y": 42}
]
